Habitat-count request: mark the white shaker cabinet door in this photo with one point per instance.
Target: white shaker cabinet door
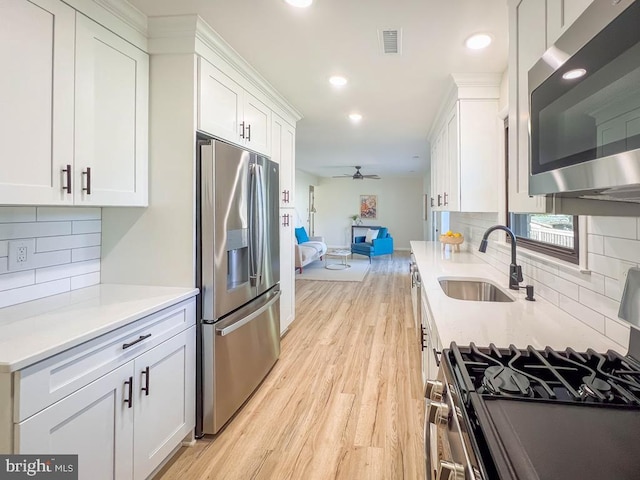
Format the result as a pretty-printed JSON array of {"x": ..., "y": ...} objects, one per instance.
[
  {"x": 95, "y": 422},
  {"x": 257, "y": 124},
  {"x": 164, "y": 400},
  {"x": 36, "y": 101},
  {"x": 112, "y": 82},
  {"x": 561, "y": 14},
  {"x": 219, "y": 104},
  {"x": 287, "y": 270}
]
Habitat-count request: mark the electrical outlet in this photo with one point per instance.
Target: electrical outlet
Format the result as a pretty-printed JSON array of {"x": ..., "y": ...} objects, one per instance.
[{"x": 21, "y": 254}]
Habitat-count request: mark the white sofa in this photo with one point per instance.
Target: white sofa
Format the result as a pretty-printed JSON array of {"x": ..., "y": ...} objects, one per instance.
[{"x": 310, "y": 251}]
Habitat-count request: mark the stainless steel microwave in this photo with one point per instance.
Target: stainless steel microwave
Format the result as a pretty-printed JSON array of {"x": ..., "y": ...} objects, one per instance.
[{"x": 585, "y": 107}]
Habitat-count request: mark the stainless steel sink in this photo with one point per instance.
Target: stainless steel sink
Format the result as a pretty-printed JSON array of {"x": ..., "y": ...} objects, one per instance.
[{"x": 475, "y": 290}]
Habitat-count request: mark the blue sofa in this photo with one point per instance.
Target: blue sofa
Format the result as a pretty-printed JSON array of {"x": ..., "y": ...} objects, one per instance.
[{"x": 382, "y": 245}]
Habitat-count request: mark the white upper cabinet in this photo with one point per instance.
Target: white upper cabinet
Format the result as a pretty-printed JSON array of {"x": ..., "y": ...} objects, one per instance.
[
  {"x": 283, "y": 144},
  {"x": 561, "y": 14},
  {"x": 36, "y": 95},
  {"x": 227, "y": 111},
  {"x": 527, "y": 25},
  {"x": 465, "y": 147},
  {"x": 111, "y": 138},
  {"x": 73, "y": 123}
]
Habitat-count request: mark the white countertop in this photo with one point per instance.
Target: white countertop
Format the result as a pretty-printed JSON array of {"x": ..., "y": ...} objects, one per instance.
[
  {"x": 520, "y": 323},
  {"x": 33, "y": 331}
]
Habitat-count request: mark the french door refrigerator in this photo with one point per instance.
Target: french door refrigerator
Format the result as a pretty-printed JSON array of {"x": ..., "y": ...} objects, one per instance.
[{"x": 239, "y": 274}]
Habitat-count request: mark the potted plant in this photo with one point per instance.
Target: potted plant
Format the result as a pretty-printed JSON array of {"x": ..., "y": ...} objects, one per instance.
[{"x": 356, "y": 219}]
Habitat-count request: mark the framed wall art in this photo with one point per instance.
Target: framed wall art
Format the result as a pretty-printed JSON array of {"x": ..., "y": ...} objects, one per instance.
[{"x": 368, "y": 206}]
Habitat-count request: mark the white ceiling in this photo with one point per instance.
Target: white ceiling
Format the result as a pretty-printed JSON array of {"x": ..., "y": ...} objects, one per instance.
[{"x": 296, "y": 50}]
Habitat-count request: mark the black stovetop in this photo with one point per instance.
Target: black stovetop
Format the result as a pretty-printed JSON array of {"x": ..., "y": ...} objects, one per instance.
[
  {"x": 558, "y": 376},
  {"x": 547, "y": 414}
]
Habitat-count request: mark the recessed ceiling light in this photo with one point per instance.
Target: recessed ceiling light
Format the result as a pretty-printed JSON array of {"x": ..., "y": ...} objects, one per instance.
[
  {"x": 355, "y": 117},
  {"x": 478, "y": 41},
  {"x": 575, "y": 73},
  {"x": 338, "y": 81},
  {"x": 299, "y": 3}
]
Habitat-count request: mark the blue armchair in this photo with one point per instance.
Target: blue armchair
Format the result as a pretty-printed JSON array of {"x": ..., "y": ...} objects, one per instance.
[{"x": 382, "y": 245}]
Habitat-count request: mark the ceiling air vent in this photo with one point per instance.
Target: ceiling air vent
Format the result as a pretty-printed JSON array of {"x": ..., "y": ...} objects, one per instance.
[{"x": 390, "y": 40}]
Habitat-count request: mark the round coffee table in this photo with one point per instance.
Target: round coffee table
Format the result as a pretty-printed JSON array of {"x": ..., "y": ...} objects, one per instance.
[{"x": 341, "y": 254}]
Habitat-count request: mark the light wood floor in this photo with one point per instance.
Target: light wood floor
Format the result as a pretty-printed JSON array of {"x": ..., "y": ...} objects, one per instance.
[{"x": 344, "y": 401}]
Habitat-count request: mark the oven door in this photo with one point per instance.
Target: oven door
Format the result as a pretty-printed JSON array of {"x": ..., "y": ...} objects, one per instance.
[{"x": 585, "y": 105}]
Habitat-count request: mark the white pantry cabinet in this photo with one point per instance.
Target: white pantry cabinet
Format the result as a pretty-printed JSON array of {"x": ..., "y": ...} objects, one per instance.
[
  {"x": 465, "y": 147},
  {"x": 283, "y": 152},
  {"x": 73, "y": 127},
  {"x": 122, "y": 423},
  {"x": 534, "y": 26},
  {"x": 227, "y": 111}
]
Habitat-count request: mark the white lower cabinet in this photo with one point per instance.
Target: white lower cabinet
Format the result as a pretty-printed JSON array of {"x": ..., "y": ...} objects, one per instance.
[
  {"x": 287, "y": 272},
  {"x": 125, "y": 423},
  {"x": 95, "y": 423},
  {"x": 431, "y": 345}
]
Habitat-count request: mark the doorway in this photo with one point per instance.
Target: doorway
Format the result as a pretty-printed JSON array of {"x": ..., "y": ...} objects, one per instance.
[{"x": 311, "y": 210}]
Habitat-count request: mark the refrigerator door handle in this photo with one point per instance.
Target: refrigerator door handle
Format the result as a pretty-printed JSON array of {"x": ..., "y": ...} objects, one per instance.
[
  {"x": 227, "y": 329},
  {"x": 257, "y": 220}
]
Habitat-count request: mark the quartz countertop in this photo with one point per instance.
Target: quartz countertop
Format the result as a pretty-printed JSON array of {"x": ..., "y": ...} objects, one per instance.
[
  {"x": 33, "y": 331},
  {"x": 521, "y": 323}
]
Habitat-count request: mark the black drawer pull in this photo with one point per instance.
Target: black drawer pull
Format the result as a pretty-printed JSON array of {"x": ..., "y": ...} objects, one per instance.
[
  {"x": 138, "y": 340},
  {"x": 67, "y": 172},
  {"x": 88, "y": 187},
  {"x": 129, "y": 401},
  {"x": 145, "y": 389}
]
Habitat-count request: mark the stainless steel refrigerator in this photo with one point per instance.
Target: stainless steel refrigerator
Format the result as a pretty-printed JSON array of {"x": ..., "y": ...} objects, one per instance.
[{"x": 239, "y": 274}]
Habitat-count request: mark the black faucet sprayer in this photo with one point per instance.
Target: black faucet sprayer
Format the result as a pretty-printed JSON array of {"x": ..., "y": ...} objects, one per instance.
[{"x": 515, "y": 271}]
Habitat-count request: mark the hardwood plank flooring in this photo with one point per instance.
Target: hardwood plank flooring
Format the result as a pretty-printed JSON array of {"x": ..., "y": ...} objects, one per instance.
[{"x": 344, "y": 401}]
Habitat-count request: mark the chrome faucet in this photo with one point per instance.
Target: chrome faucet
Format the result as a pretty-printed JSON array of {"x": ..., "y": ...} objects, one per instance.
[{"x": 515, "y": 271}]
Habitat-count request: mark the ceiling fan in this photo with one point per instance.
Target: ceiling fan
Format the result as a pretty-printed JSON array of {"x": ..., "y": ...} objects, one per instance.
[{"x": 358, "y": 175}]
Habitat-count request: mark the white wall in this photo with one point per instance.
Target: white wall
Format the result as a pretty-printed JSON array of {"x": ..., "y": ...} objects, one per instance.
[
  {"x": 67, "y": 251},
  {"x": 399, "y": 208},
  {"x": 613, "y": 244}
]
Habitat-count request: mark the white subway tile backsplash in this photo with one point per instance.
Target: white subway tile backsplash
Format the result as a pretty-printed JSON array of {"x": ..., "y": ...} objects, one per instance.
[
  {"x": 33, "y": 292},
  {"x": 67, "y": 270},
  {"x": 618, "y": 332},
  {"x": 48, "y": 244},
  {"x": 86, "y": 280},
  {"x": 17, "y": 214},
  {"x": 623, "y": 249},
  {"x": 613, "y": 245},
  {"x": 595, "y": 244},
  {"x": 10, "y": 231},
  {"x": 86, "y": 226},
  {"x": 87, "y": 253},
  {"x": 17, "y": 280},
  {"x": 599, "y": 303},
  {"x": 54, "y": 214},
  {"x": 623, "y": 227},
  {"x": 66, "y": 257},
  {"x": 592, "y": 318}
]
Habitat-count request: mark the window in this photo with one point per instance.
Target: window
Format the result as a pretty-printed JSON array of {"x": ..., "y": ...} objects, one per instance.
[{"x": 554, "y": 235}]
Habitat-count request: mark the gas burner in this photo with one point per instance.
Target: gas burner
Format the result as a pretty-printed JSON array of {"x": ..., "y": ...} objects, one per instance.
[
  {"x": 506, "y": 381},
  {"x": 594, "y": 388}
]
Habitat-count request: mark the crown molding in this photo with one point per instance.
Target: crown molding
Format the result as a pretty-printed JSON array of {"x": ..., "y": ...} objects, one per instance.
[
  {"x": 126, "y": 13},
  {"x": 191, "y": 34}
]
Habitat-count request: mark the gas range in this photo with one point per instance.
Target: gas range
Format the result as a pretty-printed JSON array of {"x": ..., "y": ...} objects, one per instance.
[{"x": 510, "y": 413}]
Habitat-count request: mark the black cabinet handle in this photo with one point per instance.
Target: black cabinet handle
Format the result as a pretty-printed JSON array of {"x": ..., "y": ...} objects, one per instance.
[
  {"x": 129, "y": 401},
  {"x": 145, "y": 389},
  {"x": 437, "y": 355},
  {"x": 249, "y": 132},
  {"x": 138, "y": 340},
  {"x": 242, "y": 127},
  {"x": 432, "y": 201},
  {"x": 88, "y": 187},
  {"x": 67, "y": 171},
  {"x": 422, "y": 334},
  {"x": 446, "y": 201},
  {"x": 439, "y": 200}
]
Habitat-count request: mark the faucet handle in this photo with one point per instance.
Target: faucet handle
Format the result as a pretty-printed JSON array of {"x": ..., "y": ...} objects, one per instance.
[{"x": 519, "y": 272}]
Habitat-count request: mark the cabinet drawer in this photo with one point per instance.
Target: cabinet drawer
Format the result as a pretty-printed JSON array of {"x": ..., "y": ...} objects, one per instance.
[{"x": 46, "y": 382}]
